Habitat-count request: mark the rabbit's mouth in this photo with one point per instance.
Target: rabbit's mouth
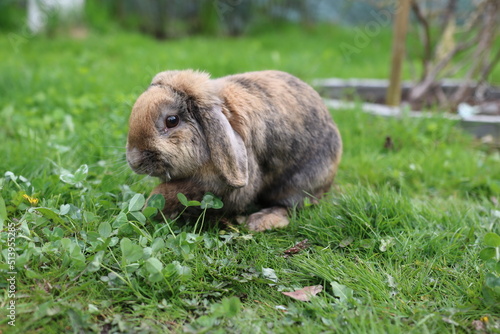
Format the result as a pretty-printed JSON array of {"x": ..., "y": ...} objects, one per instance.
[
  {"x": 164, "y": 177},
  {"x": 153, "y": 169},
  {"x": 148, "y": 162}
]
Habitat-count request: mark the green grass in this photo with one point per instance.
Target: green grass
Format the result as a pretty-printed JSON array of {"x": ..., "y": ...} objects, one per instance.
[{"x": 399, "y": 235}]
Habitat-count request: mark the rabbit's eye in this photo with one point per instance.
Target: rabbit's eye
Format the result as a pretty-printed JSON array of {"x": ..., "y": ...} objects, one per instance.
[{"x": 172, "y": 121}]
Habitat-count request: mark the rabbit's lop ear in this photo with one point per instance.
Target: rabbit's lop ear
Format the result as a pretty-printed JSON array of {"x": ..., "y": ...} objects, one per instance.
[{"x": 227, "y": 149}]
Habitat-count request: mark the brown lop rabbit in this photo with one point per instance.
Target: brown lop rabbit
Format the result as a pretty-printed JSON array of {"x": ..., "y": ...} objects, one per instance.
[{"x": 258, "y": 139}]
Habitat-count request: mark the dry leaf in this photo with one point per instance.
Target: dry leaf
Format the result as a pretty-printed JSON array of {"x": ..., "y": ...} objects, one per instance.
[
  {"x": 481, "y": 324},
  {"x": 346, "y": 242},
  {"x": 305, "y": 293},
  {"x": 270, "y": 274},
  {"x": 297, "y": 248},
  {"x": 478, "y": 325}
]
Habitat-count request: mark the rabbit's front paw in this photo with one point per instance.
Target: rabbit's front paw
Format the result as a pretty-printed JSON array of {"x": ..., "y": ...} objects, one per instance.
[{"x": 267, "y": 219}]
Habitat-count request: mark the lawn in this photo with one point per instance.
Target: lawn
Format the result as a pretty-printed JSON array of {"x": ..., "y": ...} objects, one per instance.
[{"x": 398, "y": 244}]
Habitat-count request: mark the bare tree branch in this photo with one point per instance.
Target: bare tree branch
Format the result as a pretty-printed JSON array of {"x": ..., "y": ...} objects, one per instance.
[
  {"x": 426, "y": 37},
  {"x": 421, "y": 89},
  {"x": 449, "y": 13},
  {"x": 459, "y": 65},
  {"x": 475, "y": 16},
  {"x": 481, "y": 53},
  {"x": 489, "y": 67}
]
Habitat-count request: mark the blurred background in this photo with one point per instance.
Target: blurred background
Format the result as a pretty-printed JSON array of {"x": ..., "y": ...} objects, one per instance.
[
  {"x": 165, "y": 19},
  {"x": 437, "y": 40}
]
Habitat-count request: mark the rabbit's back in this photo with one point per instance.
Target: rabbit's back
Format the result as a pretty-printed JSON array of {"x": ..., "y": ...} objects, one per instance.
[{"x": 286, "y": 125}]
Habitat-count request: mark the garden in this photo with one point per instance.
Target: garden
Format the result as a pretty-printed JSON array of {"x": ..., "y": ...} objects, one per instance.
[{"x": 406, "y": 241}]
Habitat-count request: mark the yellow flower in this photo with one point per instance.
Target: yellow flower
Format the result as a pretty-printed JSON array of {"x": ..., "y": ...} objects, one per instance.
[
  {"x": 32, "y": 200},
  {"x": 485, "y": 319}
]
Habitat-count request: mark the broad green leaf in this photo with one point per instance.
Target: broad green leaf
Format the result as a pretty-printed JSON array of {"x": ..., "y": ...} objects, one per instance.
[
  {"x": 22, "y": 259},
  {"x": 136, "y": 203},
  {"x": 92, "y": 236},
  {"x": 130, "y": 251},
  {"x": 217, "y": 204},
  {"x": 74, "y": 179},
  {"x": 50, "y": 214},
  {"x": 149, "y": 212},
  {"x": 66, "y": 243},
  {"x": 64, "y": 209},
  {"x": 192, "y": 237},
  {"x": 57, "y": 233},
  {"x": 228, "y": 308},
  {"x": 193, "y": 203},
  {"x": 487, "y": 253},
  {"x": 183, "y": 199},
  {"x": 170, "y": 270},
  {"x": 143, "y": 241},
  {"x": 113, "y": 242},
  {"x": 185, "y": 249},
  {"x": 147, "y": 252},
  {"x": 138, "y": 216},
  {"x": 206, "y": 321},
  {"x": 120, "y": 220},
  {"x": 67, "y": 177},
  {"x": 77, "y": 256},
  {"x": 104, "y": 230},
  {"x": 73, "y": 254},
  {"x": 156, "y": 201},
  {"x": 154, "y": 266},
  {"x": 342, "y": 292},
  {"x": 95, "y": 263},
  {"x": 157, "y": 277},
  {"x": 184, "y": 272},
  {"x": 492, "y": 239},
  {"x": 158, "y": 244},
  {"x": 32, "y": 274},
  {"x": 210, "y": 201},
  {"x": 131, "y": 267},
  {"x": 48, "y": 309},
  {"x": 209, "y": 241},
  {"x": 492, "y": 281},
  {"x": 90, "y": 216},
  {"x": 81, "y": 173}
]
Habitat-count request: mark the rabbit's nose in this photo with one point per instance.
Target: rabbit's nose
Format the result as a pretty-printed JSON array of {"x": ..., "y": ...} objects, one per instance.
[{"x": 134, "y": 157}]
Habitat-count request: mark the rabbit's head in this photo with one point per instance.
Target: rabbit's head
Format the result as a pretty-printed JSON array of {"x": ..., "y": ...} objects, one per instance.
[{"x": 177, "y": 130}]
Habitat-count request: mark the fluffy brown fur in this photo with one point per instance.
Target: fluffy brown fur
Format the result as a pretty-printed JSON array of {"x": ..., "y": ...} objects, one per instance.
[{"x": 254, "y": 139}]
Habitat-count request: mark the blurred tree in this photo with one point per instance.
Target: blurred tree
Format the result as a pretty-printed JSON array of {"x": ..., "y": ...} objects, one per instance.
[
  {"x": 176, "y": 18},
  {"x": 467, "y": 49},
  {"x": 11, "y": 14},
  {"x": 47, "y": 15},
  {"x": 393, "y": 97}
]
